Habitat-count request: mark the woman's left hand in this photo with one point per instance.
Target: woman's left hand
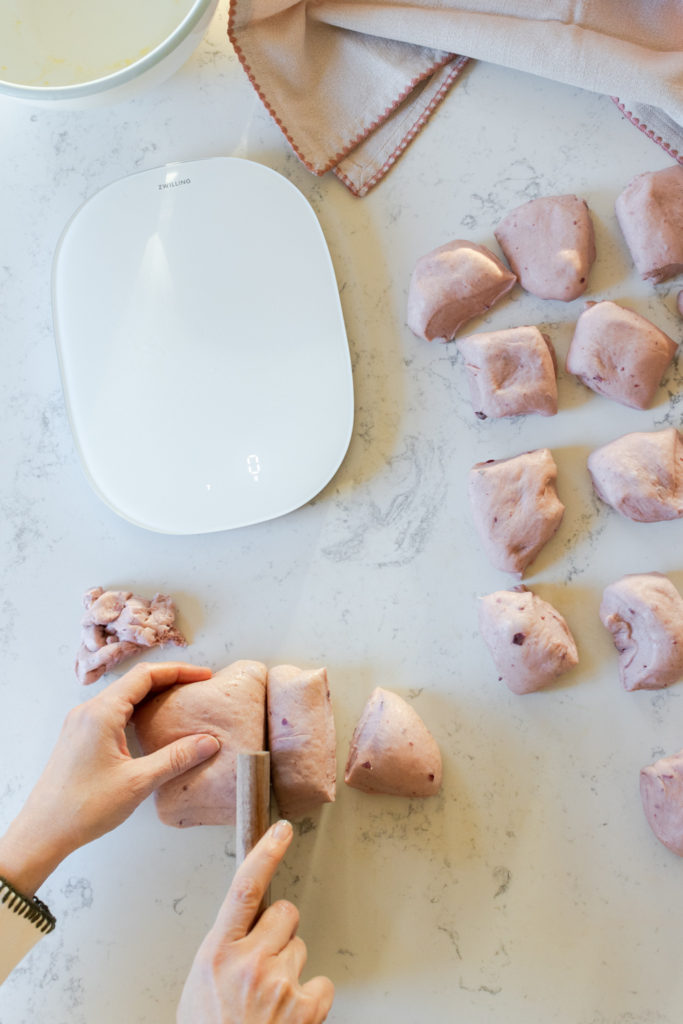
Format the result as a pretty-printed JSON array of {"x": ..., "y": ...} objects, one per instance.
[{"x": 91, "y": 782}]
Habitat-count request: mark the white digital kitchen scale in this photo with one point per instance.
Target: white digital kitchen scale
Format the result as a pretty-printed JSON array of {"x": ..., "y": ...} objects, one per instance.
[{"x": 202, "y": 347}]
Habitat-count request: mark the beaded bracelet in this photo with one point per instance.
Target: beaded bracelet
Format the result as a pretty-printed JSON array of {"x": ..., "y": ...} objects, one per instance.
[{"x": 33, "y": 910}]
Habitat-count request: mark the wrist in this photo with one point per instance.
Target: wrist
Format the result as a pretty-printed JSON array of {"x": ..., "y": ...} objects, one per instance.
[
  {"x": 26, "y": 858},
  {"x": 35, "y": 918}
]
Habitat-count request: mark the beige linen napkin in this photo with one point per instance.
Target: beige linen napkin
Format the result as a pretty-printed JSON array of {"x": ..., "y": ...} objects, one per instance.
[{"x": 350, "y": 83}]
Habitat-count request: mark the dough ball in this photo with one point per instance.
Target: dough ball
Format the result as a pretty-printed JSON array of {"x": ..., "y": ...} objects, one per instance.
[
  {"x": 453, "y": 284},
  {"x": 650, "y": 215},
  {"x": 661, "y": 790},
  {"x": 392, "y": 750},
  {"x": 644, "y": 614},
  {"x": 619, "y": 354},
  {"x": 549, "y": 244},
  {"x": 231, "y": 706},
  {"x": 529, "y": 641},
  {"x": 515, "y": 507},
  {"x": 511, "y": 372},
  {"x": 641, "y": 475},
  {"x": 301, "y": 739}
]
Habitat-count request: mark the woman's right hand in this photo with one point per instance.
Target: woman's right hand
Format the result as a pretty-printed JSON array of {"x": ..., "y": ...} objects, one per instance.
[{"x": 246, "y": 972}]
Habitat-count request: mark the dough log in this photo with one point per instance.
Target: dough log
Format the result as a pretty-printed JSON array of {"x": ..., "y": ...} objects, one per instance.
[{"x": 231, "y": 706}]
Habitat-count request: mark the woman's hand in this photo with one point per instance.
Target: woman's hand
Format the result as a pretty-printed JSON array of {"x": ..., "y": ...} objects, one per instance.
[
  {"x": 246, "y": 973},
  {"x": 91, "y": 783}
]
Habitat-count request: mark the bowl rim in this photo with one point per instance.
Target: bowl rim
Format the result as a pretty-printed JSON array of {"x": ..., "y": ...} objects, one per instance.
[{"x": 116, "y": 78}]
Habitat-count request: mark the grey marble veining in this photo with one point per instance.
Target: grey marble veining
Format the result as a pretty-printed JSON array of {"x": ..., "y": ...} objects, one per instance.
[{"x": 530, "y": 890}]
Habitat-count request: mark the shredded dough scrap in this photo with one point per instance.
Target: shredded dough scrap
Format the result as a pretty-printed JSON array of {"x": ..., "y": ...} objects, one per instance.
[{"x": 117, "y": 625}]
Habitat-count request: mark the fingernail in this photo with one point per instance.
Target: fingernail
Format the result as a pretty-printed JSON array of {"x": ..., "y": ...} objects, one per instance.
[
  {"x": 282, "y": 829},
  {"x": 207, "y": 745}
]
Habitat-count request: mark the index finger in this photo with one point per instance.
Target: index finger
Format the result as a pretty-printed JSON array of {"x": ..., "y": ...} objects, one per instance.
[
  {"x": 150, "y": 676},
  {"x": 251, "y": 882}
]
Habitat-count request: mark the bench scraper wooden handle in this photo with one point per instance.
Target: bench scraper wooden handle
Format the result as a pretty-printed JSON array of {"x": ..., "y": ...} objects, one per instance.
[{"x": 253, "y": 801}]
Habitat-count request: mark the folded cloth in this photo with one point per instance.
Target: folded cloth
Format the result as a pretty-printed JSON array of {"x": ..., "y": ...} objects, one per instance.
[{"x": 350, "y": 83}]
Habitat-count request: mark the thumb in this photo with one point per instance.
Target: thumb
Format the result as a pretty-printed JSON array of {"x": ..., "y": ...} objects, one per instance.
[{"x": 176, "y": 758}]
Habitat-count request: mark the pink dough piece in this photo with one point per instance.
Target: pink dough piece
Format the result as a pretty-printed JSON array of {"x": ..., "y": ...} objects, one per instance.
[
  {"x": 650, "y": 215},
  {"x": 511, "y": 372},
  {"x": 679, "y": 303},
  {"x": 392, "y": 751},
  {"x": 453, "y": 284},
  {"x": 644, "y": 614},
  {"x": 301, "y": 738},
  {"x": 549, "y": 244},
  {"x": 231, "y": 706},
  {"x": 641, "y": 475},
  {"x": 619, "y": 354},
  {"x": 529, "y": 641},
  {"x": 661, "y": 790},
  {"x": 118, "y": 624},
  {"x": 515, "y": 507}
]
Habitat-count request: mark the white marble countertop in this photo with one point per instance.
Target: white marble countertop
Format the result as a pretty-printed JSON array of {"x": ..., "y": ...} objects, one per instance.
[{"x": 531, "y": 890}]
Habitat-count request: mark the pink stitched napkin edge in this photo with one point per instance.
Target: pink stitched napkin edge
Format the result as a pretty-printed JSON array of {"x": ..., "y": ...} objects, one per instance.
[
  {"x": 655, "y": 130},
  {"x": 333, "y": 160},
  {"x": 360, "y": 187}
]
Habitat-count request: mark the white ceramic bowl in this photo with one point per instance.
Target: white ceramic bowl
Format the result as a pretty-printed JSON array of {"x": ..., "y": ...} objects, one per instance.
[{"x": 78, "y": 53}]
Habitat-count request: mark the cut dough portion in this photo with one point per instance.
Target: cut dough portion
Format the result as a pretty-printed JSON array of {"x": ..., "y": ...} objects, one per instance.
[
  {"x": 392, "y": 751},
  {"x": 549, "y": 244},
  {"x": 661, "y": 790},
  {"x": 530, "y": 642},
  {"x": 641, "y": 475},
  {"x": 230, "y": 706},
  {"x": 453, "y": 284},
  {"x": 619, "y": 353},
  {"x": 301, "y": 738},
  {"x": 117, "y": 625},
  {"x": 644, "y": 614},
  {"x": 650, "y": 215},
  {"x": 511, "y": 372},
  {"x": 515, "y": 507}
]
